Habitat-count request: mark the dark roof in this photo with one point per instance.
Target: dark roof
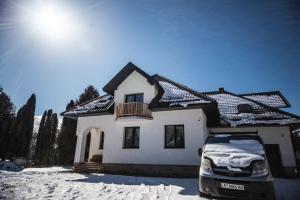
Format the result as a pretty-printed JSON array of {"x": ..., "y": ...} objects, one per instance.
[
  {"x": 174, "y": 93},
  {"x": 98, "y": 105},
  {"x": 122, "y": 75},
  {"x": 261, "y": 114},
  {"x": 220, "y": 107},
  {"x": 171, "y": 95},
  {"x": 274, "y": 98}
]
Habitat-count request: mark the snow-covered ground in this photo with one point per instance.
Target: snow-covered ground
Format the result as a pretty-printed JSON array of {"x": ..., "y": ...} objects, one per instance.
[{"x": 61, "y": 183}]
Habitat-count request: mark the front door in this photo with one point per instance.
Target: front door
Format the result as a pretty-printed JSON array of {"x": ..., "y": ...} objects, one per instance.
[
  {"x": 87, "y": 147},
  {"x": 274, "y": 159}
]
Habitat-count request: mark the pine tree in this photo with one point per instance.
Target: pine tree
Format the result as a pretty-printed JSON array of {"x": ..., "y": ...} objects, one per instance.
[
  {"x": 89, "y": 93},
  {"x": 46, "y": 138},
  {"x": 7, "y": 112},
  {"x": 66, "y": 140},
  {"x": 21, "y": 130},
  {"x": 39, "y": 141},
  {"x": 67, "y": 137},
  {"x": 7, "y": 108}
]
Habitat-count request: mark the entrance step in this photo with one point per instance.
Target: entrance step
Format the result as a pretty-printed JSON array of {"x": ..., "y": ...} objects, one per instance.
[{"x": 88, "y": 167}]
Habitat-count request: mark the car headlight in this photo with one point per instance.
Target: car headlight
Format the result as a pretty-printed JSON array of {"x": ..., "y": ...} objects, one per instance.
[
  {"x": 260, "y": 168},
  {"x": 205, "y": 165}
]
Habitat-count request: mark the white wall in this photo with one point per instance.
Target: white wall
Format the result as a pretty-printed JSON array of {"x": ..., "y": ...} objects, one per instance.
[
  {"x": 271, "y": 135},
  {"x": 135, "y": 83},
  {"x": 152, "y": 137},
  {"x": 95, "y": 141}
]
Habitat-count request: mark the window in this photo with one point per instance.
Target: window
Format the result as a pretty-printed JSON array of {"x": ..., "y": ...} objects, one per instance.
[
  {"x": 134, "y": 98},
  {"x": 132, "y": 137},
  {"x": 174, "y": 136},
  {"x": 101, "y": 142}
]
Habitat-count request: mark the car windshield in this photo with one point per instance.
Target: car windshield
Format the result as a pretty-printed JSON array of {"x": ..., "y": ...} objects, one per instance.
[{"x": 229, "y": 138}]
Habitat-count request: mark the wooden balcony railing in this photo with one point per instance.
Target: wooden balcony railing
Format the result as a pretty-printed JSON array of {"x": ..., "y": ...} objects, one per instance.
[{"x": 133, "y": 109}]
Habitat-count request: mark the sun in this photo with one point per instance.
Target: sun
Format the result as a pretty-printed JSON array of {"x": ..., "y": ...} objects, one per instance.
[{"x": 52, "y": 22}]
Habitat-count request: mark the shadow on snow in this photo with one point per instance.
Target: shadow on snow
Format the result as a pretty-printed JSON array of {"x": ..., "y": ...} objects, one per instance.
[{"x": 189, "y": 186}]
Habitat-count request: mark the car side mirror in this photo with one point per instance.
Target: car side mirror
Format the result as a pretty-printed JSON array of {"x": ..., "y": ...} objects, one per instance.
[{"x": 200, "y": 152}]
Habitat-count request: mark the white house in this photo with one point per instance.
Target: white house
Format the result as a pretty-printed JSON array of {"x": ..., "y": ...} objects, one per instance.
[{"x": 150, "y": 124}]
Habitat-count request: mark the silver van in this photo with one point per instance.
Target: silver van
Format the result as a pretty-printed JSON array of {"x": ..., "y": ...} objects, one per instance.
[{"x": 235, "y": 166}]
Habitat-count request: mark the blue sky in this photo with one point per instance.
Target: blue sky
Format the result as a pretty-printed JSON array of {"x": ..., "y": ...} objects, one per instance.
[{"x": 244, "y": 46}]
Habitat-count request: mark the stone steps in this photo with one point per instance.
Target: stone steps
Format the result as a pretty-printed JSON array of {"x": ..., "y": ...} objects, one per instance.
[{"x": 88, "y": 167}]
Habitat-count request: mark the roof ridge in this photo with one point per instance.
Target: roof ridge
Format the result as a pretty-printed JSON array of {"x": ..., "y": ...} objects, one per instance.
[
  {"x": 184, "y": 87},
  {"x": 259, "y": 93}
]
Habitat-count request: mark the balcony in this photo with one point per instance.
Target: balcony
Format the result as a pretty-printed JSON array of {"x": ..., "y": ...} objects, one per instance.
[{"x": 133, "y": 109}]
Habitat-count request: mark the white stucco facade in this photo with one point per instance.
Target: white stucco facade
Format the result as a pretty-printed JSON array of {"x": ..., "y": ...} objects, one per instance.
[
  {"x": 152, "y": 132},
  {"x": 152, "y": 138},
  {"x": 135, "y": 83}
]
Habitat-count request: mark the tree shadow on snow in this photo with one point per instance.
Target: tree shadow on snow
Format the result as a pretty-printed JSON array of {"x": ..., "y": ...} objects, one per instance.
[{"x": 189, "y": 186}]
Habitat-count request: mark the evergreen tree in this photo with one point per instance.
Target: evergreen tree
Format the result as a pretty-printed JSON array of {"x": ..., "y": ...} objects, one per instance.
[
  {"x": 7, "y": 108},
  {"x": 54, "y": 135},
  {"x": 39, "y": 141},
  {"x": 46, "y": 138},
  {"x": 66, "y": 140},
  {"x": 21, "y": 130},
  {"x": 7, "y": 111},
  {"x": 89, "y": 93}
]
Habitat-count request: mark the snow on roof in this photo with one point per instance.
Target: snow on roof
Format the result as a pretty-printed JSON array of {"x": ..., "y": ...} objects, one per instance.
[
  {"x": 263, "y": 107},
  {"x": 273, "y": 99},
  {"x": 260, "y": 114},
  {"x": 98, "y": 104},
  {"x": 178, "y": 96},
  {"x": 174, "y": 94}
]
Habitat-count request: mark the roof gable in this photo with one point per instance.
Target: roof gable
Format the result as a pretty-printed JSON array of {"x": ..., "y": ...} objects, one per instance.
[
  {"x": 174, "y": 92},
  {"x": 113, "y": 84},
  {"x": 260, "y": 114},
  {"x": 274, "y": 99}
]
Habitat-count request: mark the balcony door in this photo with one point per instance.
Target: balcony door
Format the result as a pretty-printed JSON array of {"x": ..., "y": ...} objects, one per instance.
[{"x": 134, "y": 98}]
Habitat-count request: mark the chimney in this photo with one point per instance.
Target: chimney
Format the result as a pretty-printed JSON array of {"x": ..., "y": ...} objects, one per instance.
[{"x": 221, "y": 89}]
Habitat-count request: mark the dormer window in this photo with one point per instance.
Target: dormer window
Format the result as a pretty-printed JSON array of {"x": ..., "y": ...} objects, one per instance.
[
  {"x": 244, "y": 108},
  {"x": 134, "y": 98}
]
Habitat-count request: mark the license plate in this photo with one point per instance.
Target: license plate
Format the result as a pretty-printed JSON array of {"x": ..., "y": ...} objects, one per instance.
[{"x": 232, "y": 186}]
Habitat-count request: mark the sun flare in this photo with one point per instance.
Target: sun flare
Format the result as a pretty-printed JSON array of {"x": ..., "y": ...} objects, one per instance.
[{"x": 52, "y": 22}]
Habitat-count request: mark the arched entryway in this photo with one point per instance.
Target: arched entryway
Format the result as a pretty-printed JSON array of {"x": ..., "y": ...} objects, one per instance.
[{"x": 89, "y": 145}]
